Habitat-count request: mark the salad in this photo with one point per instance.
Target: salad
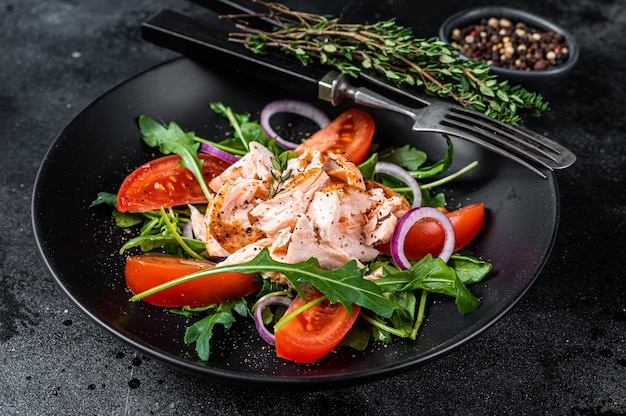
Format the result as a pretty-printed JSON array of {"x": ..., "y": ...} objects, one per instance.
[{"x": 325, "y": 241}]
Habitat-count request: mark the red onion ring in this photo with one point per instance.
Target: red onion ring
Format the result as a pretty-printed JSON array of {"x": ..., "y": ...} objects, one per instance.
[
  {"x": 402, "y": 174},
  {"x": 258, "y": 318},
  {"x": 404, "y": 225},
  {"x": 300, "y": 108},
  {"x": 219, "y": 153},
  {"x": 188, "y": 230}
]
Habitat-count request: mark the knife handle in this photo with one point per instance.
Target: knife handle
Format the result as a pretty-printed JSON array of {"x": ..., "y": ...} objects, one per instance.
[{"x": 208, "y": 42}]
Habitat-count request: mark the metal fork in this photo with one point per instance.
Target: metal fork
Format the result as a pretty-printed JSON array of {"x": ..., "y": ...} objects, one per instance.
[{"x": 441, "y": 116}]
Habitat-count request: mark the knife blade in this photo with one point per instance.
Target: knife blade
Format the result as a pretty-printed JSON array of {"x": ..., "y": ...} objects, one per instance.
[{"x": 208, "y": 42}]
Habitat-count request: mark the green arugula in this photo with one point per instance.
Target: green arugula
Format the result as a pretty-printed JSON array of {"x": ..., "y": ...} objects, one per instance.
[
  {"x": 434, "y": 275},
  {"x": 245, "y": 131},
  {"x": 201, "y": 331},
  {"x": 122, "y": 219},
  {"x": 172, "y": 139},
  {"x": 414, "y": 160},
  {"x": 344, "y": 285},
  {"x": 469, "y": 269}
]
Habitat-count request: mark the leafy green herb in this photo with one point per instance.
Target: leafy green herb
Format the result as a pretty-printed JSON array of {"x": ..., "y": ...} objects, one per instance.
[
  {"x": 344, "y": 285},
  {"x": 347, "y": 286},
  {"x": 279, "y": 173},
  {"x": 469, "y": 269},
  {"x": 126, "y": 219},
  {"x": 368, "y": 167},
  {"x": 122, "y": 219},
  {"x": 434, "y": 275},
  {"x": 201, "y": 332},
  {"x": 172, "y": 139},
  {"x": 246, "y": 131},
  {"x": 392, "y": 52},
  {"x": 160, "y": 230},
  {"x": 105, "y": 198}
]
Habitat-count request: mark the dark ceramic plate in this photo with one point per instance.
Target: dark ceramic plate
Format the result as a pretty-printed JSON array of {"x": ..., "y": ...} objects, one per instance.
[{"x": 80, "y": 244}]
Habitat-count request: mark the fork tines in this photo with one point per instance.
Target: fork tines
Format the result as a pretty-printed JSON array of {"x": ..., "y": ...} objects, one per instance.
[{"x": 526, "y": 143}]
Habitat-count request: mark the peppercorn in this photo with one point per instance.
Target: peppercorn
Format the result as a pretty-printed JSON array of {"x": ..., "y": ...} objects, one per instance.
[{"x": 505, "y": 44}]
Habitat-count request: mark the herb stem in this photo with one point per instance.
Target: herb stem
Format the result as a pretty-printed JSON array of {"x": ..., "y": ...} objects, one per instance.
[
  {"x": 297, "y": 312},
  {"x": 420, "y": 315},
  {"x": 450, "y": 177},
  {"x": 177, "y": 237},
  {"x": 238, "y": 133},
  {"x": 383, "y": 326},
  {"x": 220, "y": 146},
  {"x": 269, "y": 295}
]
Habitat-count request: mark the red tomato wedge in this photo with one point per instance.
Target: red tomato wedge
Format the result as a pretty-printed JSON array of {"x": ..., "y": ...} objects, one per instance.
[
  {"x": 313, "y": 333},
  {"x": 427, "y": 236},
  {"x": 351, "y": 134},
  {"x": 164, "y": 182},
  {"x": 146, "y": 271}
]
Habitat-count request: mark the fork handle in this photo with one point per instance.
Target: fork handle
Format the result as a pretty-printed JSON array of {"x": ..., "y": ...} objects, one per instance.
[{"x": 334, "y": 87}]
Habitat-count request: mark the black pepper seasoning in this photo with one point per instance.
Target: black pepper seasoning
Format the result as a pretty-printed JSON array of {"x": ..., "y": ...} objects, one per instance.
[{"x": 502, "y": 43}]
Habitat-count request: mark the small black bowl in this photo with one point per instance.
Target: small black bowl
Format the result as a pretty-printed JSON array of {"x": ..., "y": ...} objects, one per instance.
[{"x": 534, "y": 79}]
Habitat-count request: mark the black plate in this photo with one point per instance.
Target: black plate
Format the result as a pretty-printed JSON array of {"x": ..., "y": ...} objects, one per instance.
[{"x": 102, "y": 145}]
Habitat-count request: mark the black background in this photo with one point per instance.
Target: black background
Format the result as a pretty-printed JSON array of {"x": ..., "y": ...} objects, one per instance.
[{"x": 561, "y": 350}]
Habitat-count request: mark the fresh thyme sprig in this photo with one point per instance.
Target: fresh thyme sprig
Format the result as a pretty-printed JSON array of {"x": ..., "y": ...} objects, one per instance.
[
  {"x": 393, "y": 52},
  {"x": 280, "y": 173}
]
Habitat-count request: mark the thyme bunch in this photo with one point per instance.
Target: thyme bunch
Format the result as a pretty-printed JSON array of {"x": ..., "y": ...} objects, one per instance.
[{"x": 391, "y": 51}]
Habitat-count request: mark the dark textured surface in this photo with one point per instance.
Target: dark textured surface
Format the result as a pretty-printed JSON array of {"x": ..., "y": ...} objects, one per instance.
[{"x": 560, "y": 351}]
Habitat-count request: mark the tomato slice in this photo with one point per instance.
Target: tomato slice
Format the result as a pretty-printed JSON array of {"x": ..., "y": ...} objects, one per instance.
[
  {"x": 313, "y": 333},
  {"x": 350, "y": 134},
  {"x": 163, "y": 182},
  {"x": 427, "y": 236},
  {"x": 146, "y": 271}
]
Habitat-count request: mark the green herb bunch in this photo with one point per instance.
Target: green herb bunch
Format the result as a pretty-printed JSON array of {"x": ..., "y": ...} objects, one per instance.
[{"x": 391, "y": 51}]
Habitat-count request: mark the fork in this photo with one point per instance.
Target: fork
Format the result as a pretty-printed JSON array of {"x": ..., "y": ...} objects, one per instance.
[{"x": 445, "y": 117}]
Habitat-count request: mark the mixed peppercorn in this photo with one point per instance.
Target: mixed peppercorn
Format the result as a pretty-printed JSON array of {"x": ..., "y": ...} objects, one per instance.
[{"x": 502, "y": 43}]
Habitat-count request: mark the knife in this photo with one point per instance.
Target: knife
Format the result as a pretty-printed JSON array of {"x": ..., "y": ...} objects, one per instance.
[{"x": 208, "y": 42}]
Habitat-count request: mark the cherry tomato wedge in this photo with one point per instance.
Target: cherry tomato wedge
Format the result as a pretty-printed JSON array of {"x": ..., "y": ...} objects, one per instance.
[
  {"x": 351, "y": 134},
  {"x": 164, "y": 182},
  {"x": 146, "y": 271},
  {"x": 426, "y": 236},
  {"x": 313, "y": 333}
]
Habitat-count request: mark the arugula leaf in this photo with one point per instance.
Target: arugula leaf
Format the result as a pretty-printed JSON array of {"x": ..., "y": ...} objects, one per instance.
[
  {"x": 201, "y": 332},
  {"x": 105, "y": 198},
  {"x": 413, "y": 160},
  {"x": 246, "y": 131},
  {"x": 168, "y": 242},
  {"x": 438, "y": 167},
  {"x": 172, "y": 139},
  {"x": 126, "y": 219},
  {"x": 469, "y": 269},
  {"x": 368, "y": 167},
  {"x": 431, "y": 274},
  {"x": 345, "y": 285},
  {"x": 406, "y": 156},
  {"x": 122, "y": 219}
]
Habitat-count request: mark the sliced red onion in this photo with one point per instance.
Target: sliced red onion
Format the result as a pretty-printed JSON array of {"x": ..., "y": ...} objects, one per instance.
[
  {"x": 188, "y": 230},
  {"x": 258, "y": 318},
  {"x": 300, "y": 108},
  {"x": 219, "y": 153},
  {"x": 402, "y": 174},
  {"x": 405, "y": 223}
]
